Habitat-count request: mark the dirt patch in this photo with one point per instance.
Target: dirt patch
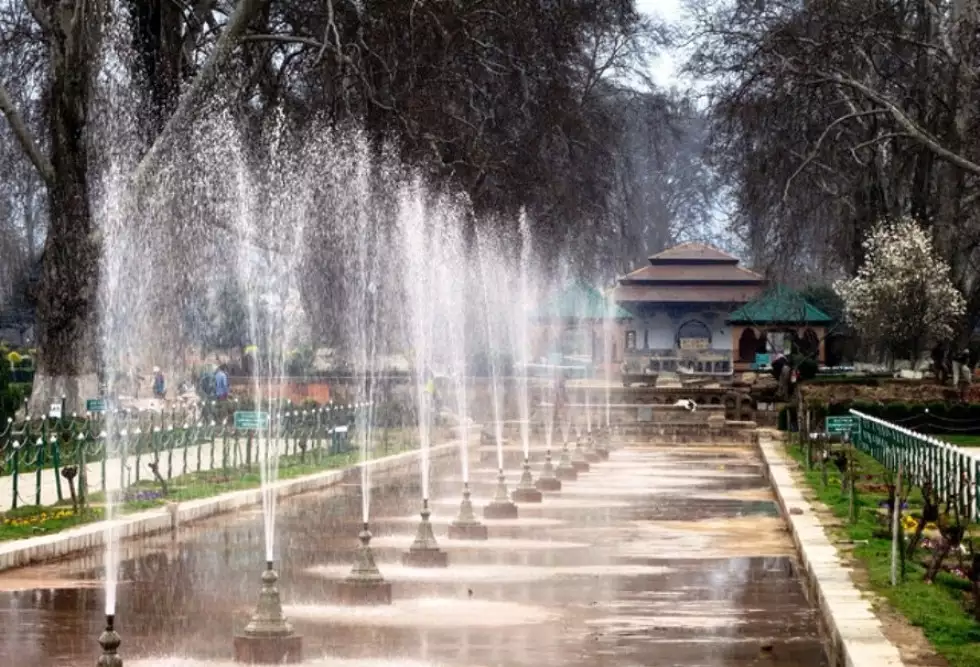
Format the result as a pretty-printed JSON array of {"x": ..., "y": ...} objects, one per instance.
[{"x": 912, "y": 645}]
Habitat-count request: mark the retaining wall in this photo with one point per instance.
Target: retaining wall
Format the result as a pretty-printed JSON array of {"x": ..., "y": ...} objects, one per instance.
[
  {"x": 30, "y": 551},
  {"x": 854, "y": 635}
]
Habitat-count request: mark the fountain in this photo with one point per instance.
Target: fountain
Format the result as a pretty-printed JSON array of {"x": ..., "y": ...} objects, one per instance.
[
  {"x": 364, "y": 585},
  {"x": 601, "y": 445},
  {"x": 501, "y": 506},
  {"x": 268, "y": 638},
  {"x": 526, "y": 491},
  {"x": 566, "y": 471},
  {"x": 109, "y": 640},
  {"x": 578, "y": 459},
  {"x": 466, "y": 526},
  {"x": 422, "y": 259},
  {"x": 591, "y": 455}
]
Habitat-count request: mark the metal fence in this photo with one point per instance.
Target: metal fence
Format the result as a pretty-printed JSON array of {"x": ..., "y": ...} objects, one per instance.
[
  {"x": 174, "y": 442},
  {"x": 954, "y": 472}
]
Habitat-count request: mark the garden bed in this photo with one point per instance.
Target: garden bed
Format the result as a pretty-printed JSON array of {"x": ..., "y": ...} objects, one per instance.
[{"x": 944, "y": 610}]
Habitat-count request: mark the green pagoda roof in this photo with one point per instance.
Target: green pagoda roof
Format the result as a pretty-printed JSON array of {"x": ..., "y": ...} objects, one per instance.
[
  {"x": 779, "y": 305},
  {"x": 581, "y": 301}
]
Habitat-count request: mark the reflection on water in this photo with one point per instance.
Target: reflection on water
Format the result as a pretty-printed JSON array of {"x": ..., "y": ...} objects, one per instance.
[{"x": 632, "y": 578}]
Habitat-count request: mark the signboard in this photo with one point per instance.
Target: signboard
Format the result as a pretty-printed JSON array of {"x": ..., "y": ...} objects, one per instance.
[
  {"x": 251, "y": 421},
  {"x": 841, "y": 424},
  {"x": 95, "y": 405},
  {"x": 694, "y": 343},
  {"x": 55, "y": 411},
  {"x": 762, "y": 360}
]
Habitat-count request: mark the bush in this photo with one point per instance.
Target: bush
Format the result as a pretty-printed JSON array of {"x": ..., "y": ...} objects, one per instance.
[{"x": 806, "y": 366}]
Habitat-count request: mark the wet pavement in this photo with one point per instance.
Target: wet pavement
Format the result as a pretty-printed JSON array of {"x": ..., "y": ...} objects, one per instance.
[{"x": 671, "y": 556}]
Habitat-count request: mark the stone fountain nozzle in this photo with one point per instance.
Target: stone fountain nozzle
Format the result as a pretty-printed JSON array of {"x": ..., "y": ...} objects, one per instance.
[{"x": 109, "y": 640}]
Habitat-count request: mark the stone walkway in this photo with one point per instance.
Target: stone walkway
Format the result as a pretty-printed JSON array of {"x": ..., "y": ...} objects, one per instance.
[{"x": 856, "y": 632}]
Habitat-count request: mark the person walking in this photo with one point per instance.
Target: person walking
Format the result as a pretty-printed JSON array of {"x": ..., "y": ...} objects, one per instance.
[
  {"x": 221, "y": 384},
  {"x": 159, "y": 384}
]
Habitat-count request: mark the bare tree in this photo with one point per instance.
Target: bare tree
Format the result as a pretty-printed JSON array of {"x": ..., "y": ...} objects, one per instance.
[{"x": 829, "y": 116}]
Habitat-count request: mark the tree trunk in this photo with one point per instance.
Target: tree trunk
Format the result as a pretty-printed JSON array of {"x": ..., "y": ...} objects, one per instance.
[{"x": 67, "y": 303}]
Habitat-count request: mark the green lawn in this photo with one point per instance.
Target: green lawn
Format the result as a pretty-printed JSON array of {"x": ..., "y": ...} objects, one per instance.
[
  {"x": 963, "y": 440},
  {"x": 31, "y": 521},
  {"x": 939, "y": 609}
]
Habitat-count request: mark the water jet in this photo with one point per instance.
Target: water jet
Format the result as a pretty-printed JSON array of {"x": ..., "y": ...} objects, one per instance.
[
  {"x": 364, "y": 585},
  {"x": 501, "y": 506},
  {"x": 268, "y": 638},
  {"x": 424, "y": 551},
  {"x": 467, "y": 526}
]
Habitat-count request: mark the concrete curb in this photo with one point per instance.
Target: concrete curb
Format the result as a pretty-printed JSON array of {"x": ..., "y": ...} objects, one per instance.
[
  {"x": 34, "y": 550},
  {"x": 855, "y": 638}
]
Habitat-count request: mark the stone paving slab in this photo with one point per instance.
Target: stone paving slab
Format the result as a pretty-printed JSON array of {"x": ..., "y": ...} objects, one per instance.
[{"x": 856, "y": 637}]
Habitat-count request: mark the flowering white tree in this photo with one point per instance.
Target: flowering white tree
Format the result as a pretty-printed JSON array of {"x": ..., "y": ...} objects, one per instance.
[{"x": 902, "y": 298}]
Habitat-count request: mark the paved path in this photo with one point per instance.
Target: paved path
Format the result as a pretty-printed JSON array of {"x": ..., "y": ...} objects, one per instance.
[{"x": 27, "y": 483}]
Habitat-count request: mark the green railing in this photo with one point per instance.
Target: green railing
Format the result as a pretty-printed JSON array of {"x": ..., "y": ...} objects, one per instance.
[
  {"x": 952, "y": 471},
  {"x": 175, "y": 443}
]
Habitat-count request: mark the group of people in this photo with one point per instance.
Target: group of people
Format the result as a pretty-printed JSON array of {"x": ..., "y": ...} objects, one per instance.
[{"x": 211, "y": 385}]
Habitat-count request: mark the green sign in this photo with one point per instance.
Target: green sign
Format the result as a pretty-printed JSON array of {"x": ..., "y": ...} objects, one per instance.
[
  {"x": 95, "y": 405},
  {"x": 841, "y": 424},
  {"x": 251, "y": 421}
]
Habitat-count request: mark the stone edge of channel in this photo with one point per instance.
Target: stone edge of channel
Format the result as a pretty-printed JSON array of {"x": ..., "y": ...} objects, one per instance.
[
  {"x": 74, "y": 541},
  {"x": 855, "y": 635}
]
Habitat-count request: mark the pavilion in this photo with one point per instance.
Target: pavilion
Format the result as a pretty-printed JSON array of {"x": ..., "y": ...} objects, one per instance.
[{"x": 694, "y": 309}]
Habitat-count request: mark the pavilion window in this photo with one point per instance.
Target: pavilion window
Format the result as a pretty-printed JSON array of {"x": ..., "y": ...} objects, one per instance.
[{"x": 630, "y": 340}]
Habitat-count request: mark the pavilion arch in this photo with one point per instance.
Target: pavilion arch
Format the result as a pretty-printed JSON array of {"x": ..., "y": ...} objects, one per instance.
[
  {"x": 748, "y": 344},
  {"x": 810, "y": 343},
  {"x": 693, "y": 329}
]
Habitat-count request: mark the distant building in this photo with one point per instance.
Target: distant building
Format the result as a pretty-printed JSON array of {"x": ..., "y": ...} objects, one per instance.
[{"x": 693, "y": 309}]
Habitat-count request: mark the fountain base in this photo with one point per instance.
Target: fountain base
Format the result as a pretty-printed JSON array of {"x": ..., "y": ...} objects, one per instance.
[
  {"x": 364, "y": 585},
  {"x": 363, "y": 593},
  {"x": 424, "y": 551},
  {"x": 256, "y": 650},
  {"x": 603, "y": 453},
  {"x": 580, "y": 466},
  {"x": 527, "y": 494},
  {"x": 501, "y": 506},
  {"x": 467, "y": 526},
  {"x": 548, "y": 484},
  {"x": 566, "y": 473},
  {"x": 468, "y": 531},
  {"x": 592, "y": 457},
  {"x": 500, "y": 510},
  {"x": 268, "y": 638},
  {"x": 425, "y": 558}
]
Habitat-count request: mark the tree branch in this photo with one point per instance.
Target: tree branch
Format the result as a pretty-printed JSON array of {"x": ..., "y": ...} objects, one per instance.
[
  {"x": 191, "y": 100},
  {"x": 24, "y": 138},
  {"x": 910, "y": 126},
  {"x": 816, "y": 148}
]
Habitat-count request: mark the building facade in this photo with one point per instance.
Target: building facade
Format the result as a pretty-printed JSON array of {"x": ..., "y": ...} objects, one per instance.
[{"x": 694, "y": 309}]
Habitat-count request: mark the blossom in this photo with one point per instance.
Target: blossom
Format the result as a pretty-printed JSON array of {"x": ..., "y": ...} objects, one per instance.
[{"x": 903, "y": 294}]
